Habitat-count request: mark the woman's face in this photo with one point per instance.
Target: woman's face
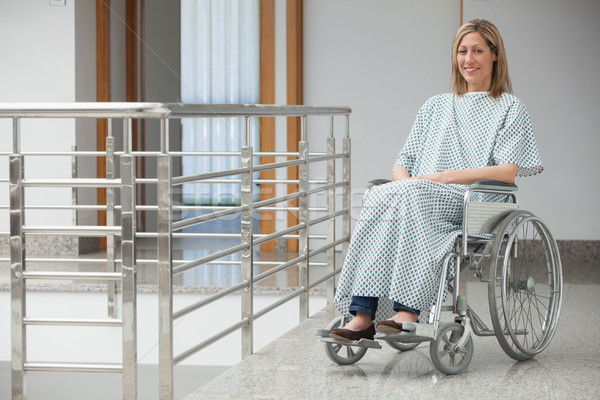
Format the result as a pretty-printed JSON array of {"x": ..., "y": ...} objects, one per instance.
[{"x": 475, "y": 62}]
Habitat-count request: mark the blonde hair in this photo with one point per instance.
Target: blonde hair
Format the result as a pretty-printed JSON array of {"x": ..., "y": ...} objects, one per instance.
[{"x": 500, "y": 79}]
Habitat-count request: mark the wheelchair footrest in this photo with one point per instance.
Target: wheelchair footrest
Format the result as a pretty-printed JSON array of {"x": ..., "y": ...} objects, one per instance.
[
  {"x": 371, "y": 344},
  {"x": 322, "y": 332},
  {"x": 412, "y": 333},
  {"x": 409, "y": 326}
]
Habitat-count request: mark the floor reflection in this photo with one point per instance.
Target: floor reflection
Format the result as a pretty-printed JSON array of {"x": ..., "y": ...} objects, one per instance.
[{"x": 409, "y": 364}]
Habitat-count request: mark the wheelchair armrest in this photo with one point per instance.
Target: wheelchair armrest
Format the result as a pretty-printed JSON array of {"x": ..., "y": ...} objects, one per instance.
[
  {"x": 377, "y": 182},
  {"x": 495, "y": 186},
  {"x": 483, "y": 184}
]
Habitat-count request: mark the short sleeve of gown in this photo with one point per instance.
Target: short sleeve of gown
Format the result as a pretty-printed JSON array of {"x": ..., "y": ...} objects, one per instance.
[
  {"x": 516, "y": 144},
  {"x": 413, "y": 146}
]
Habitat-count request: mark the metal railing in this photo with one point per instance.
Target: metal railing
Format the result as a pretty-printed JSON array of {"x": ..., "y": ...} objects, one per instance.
[{"x": 172, "y": 225}]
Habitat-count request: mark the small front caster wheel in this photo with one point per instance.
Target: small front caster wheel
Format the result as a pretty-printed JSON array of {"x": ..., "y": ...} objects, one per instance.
[
  {"x": 445, "y": 354},
  {"x": 340, "y": 353}
]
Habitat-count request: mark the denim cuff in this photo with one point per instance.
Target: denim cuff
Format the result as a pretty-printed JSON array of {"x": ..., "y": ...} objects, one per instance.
[
  {"x": 353, "y": 309},
  {"x": 367, "y": 305}
]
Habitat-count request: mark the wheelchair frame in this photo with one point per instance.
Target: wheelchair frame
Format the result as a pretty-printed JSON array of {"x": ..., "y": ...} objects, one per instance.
[{"x": 523, "y": 321}]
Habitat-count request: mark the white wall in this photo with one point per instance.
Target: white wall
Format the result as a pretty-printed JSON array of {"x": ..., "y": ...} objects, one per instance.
[
  {"x": 554, "y": 56},
  {"x": 85, "y": 90},
  {"x": 38, "y": 65},
  {"x": 38, "y": 51},
  {"x": 161, "y": 58},
  {"x": 384, "y": 58}
]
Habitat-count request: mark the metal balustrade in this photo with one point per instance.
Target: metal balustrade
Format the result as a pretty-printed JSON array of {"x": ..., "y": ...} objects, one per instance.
[{"x": 121, "y": 183}]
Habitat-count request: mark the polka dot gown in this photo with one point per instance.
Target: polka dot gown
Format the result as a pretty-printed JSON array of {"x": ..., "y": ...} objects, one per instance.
[{"x": 406, "y": 227}]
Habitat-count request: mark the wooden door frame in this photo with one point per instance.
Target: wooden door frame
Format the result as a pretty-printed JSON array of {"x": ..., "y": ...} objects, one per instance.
[
  {"x": 267, "y": 124},
  {"x": 134, "y": 13},
  {"x": 134, "y": 88},
  {"x": 294, "y": 42},
  {"x": 102, "y": 95}
]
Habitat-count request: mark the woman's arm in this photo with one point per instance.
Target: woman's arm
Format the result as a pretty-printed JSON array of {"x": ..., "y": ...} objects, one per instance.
[
  {"x": 399, "y": 173},
  {"x": 504, "y": 173}
]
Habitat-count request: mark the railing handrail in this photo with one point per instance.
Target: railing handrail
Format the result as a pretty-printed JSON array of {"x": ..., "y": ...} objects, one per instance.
[
  {"x": 179, "y": 110},
  {"x": 160, "y": 110},
  {"x": 83, "y": 109},
  {"x": 170, "y": 223}
]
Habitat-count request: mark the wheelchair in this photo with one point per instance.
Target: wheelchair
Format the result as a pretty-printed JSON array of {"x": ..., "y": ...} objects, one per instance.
[{"x": 524, "y": 277}]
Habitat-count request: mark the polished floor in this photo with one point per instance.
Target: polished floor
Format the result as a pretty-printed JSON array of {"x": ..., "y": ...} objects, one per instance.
[
  {"x": 82, "y": 299},
  {"x": 296, "y": 366}
]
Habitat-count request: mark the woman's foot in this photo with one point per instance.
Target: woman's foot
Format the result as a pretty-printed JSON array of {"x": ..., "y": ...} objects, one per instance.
[
  {"x": 394, "y": 324},
  {"x": 360, "y": 327},
  {"x": 360, "y": 322}
]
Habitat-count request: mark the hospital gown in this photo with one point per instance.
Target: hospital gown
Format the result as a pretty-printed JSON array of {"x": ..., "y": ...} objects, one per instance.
[{"x": 406, "y": 227}]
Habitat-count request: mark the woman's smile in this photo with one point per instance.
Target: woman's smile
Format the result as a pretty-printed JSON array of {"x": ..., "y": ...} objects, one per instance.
[{"x": 476, "y": 61}]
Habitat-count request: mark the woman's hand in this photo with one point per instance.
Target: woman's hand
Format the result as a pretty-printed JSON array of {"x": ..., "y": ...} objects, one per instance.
[{"x": 399, "y": 173}]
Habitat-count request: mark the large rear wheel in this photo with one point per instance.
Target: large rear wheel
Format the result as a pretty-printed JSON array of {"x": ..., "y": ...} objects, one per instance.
[{"x": 525, "y": 285}]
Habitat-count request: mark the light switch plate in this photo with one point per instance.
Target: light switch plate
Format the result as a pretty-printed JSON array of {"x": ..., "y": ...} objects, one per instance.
[{"x": 55, "y": 3}]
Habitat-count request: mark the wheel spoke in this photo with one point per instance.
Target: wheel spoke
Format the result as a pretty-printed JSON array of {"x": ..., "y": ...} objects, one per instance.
[
  {"x": 540, "y": 316},
  {"x": 350, "y": 352},
  {"x": 452, "y": 360},
  {"x": 527, "y": 321},
  {"x": 447, "y": 341},
  {"x": 444, "y": 352},
  {"x": 542, "y": 304}
]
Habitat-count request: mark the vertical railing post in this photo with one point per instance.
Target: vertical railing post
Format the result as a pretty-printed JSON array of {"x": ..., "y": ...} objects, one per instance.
[
  {"x": 110, "y": 220},
  {"x": 247, "y": 238},
  {"x": 74, "y": 189},
  {"x": 346, "y": 192},
  {"x": 128, "y": 225},
  {"x": 165, "y": 267},
  {"x": 17, "y": 266},
  {"x": 303, "y": 220},
  {"x": 330, "y": 285}
]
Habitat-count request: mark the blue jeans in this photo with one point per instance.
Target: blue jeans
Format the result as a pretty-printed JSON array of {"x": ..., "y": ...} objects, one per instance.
[{"x": 368, "y": 305}]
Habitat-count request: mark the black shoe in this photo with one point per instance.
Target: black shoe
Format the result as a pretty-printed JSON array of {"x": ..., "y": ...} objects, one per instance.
[
  {"x": 389, "y": 326},
  {"x": 347, "y": 334}
]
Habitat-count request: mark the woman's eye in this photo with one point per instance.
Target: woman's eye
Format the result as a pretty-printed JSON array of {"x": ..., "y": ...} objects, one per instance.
[{"x": 462, "y": 52}]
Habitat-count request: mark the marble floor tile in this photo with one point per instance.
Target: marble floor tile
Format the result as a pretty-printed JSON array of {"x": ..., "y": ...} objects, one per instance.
[{"x": 296, "y": 366}]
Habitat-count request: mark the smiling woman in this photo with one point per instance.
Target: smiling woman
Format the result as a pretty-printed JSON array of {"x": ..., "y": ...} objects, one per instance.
[
  {"x": 476, "y": 60},
  {"x": 479, "y": 60},
  {"x": 479, "y": 132}
]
